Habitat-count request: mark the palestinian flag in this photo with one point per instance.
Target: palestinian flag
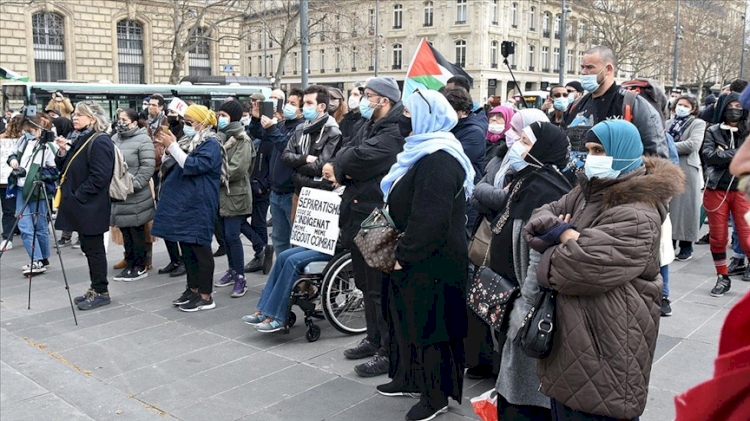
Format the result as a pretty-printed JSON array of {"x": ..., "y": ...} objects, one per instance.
[
  {"x": 6, "y": 73},
  {"x": 430, "y": 70}
]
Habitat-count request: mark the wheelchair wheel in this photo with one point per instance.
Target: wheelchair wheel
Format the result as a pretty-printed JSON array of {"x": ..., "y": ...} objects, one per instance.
[
  {"x": 291, "y": 319},
  {"x": 313, "y": 333},
  {"x": 343, "y": 302}
]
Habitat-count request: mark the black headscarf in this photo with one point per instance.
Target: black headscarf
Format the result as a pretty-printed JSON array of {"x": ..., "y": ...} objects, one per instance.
[{"x": 541, "y": 185}]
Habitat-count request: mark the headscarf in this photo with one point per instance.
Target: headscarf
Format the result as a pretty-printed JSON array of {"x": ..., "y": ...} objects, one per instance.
[
  {"x": 201, "y": 114},
  {"x": 208, "y": 119},
  {"x": 527, "y": 116},
  {"x": 507, "y": 113},
  {"x": 432, "y": 118},
  {"x": 622, "y": 142}
]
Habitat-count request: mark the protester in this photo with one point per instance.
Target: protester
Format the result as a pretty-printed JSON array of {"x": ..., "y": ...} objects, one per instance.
[
  {"x": 193, "y": 169},
  {"x": 133, "y": 214},
  {"x": 498, "y": 125},
  {"x": 63, "y": 125},
  {"x": 575, "y": 91},
  {"x": 608, "y": 291},
  {"x": 353, "y": 120},
  {"x": 557, "y": 101},
  {"x": 426, "y": 191},
  {"x": 337, "y": 106},
  {"x": 86, "y": 161},
  {"x": 360, "y": 166},
  {"x": 8, "y": 141},
  {"x": 60, "y": 105}
]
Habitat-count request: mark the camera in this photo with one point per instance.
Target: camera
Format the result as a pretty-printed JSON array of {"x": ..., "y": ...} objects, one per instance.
[
  {"x": 19, "y": 172},
  {"x": 47, "y": 136},
  {"x": 28, "y": 111},
  {"x": 507, "y": 48}
]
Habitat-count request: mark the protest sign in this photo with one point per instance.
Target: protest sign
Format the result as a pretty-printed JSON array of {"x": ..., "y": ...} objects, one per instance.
[{"x": 316, "y": 221}]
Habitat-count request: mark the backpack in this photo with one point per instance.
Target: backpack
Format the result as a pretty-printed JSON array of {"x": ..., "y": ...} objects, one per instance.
[
  {"x": 651, "y": 93},
  {"x": 122, "y": 181}
]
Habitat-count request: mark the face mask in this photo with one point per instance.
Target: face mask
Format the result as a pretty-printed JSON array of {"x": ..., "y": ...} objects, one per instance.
[
  {"x": 172, "y": 119},
  {"x": 681, "y": 111},
  {"x": 290, "y": 112},
  {"x": 600, "y": 166},
  {"x": 511, "y": 137},
  {"x": 145, "y": 107},
  {"x": 189, "y": 131},
  {"x": 28, "y": 135},
  {"x": 223, "y": 122},
  {"x": 365, "y": 110},
  {"x": 310, "y": 113},
  {"x": 353, "y": 103},
  {"x": 333, "y": 106},
  {"x": 245, "y": 121},
  {"x": 732, "y": 115},
  {"x": 571, "y": 98},
  {"x": 404, "y": 125},
  {"x": 515, "y": 156},
  {"x": 496, "y": 128},
  {"x": 560, "y": 104},
  {"x": 122, "y": 126},
  {"x": 590, "y": 82}
]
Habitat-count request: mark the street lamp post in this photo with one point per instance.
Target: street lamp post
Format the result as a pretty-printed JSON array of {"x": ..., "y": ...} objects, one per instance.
[
  {"x": 304, "y": 39},
  {"x": 742, "y": 56},
  {"x": 376, "y": 42},
  {"x": 677, "y": 37},
  {"x": 563, "y": 40}
]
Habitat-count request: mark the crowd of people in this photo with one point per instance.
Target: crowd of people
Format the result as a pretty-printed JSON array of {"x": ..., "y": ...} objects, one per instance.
[{"x": 590, "y": 198}]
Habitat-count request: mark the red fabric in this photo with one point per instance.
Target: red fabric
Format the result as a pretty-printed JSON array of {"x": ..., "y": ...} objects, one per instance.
[
  {"x": 719, "y": 204},
  {"x": 726, "y": 397}
]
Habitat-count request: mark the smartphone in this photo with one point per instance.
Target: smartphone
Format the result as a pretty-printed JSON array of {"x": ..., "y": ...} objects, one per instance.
[
  {"x": 266, "y": 108},
  {"x": 279, "y": 106}
]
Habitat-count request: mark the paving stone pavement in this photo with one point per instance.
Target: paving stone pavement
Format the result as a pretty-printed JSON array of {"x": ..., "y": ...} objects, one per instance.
[{"x": 142, "y": 359}]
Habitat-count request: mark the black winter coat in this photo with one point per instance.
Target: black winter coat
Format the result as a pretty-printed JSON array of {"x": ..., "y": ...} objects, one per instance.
[
  {"x": 717, "y": 153},
  {"x": 261, "y": 177},
  {"x": 85, "y": 206},
  {"x": 350, "y": 125},
  {"x": 279, "y": 174},
  {"x": 324, "y": 143},
  {"x": 362, "y": 165},
  {"x": 471, "y": 132},
  {"x": 428, "y": 205}
]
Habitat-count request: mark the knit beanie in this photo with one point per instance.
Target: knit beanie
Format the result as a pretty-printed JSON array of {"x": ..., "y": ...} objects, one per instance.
[
  {"x": 202, "y": 114},
  {"x": 385, "y": 86},
  {"x": 233, "y": 108},
  {"x": 621, "y": 141}
]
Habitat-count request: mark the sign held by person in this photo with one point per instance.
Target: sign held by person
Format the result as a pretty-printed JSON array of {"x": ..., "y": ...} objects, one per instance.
[{"x": 316, "y": 221}]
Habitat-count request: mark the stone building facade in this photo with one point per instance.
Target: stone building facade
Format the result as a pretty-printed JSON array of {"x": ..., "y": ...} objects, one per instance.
[{"x": 115, "y": 40}]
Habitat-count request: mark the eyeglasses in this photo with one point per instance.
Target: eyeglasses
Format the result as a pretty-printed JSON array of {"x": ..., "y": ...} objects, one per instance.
[
  {"x": 368, "y": 96},
  {"x": 560, "y": 95},
  {"x": 429, "y": 107}
]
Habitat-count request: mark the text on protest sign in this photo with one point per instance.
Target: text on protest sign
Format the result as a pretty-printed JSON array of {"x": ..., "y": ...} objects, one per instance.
[{"x": 316, "y": 221}]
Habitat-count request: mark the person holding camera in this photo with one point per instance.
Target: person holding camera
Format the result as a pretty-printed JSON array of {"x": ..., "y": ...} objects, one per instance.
[{"x": 33, "y": 160}]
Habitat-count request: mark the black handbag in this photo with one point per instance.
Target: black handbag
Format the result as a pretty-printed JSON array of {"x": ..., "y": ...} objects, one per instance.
[{"x": 538, "y": 328}]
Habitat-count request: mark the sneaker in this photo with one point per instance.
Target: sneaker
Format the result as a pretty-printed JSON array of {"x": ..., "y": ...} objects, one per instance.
[
  {"x": 89, "y": 292},
  {"x": 273, "y": 326},
  {"x": 240, "y": 286},
  {"x": 684, "y": 255},
  {"x": 221, "y": 251},
  {"x": 168, "y": 268},
  {"x": 180, "y": 270},
  {"x": 666, "y": 307},
  {"x": 364, "y": 349},
  {"x": 185, "y": 298},
  {"x": 122, "y": 275},
  {"x": 736, "y": 266},
  {"x": 424, "y": 412},
  {"x": 226, "y": 280},
  {"x": 255, "y": 265},
  {"x": 267, "y": 259},
  {"x": 45, "y": 262},
  {"x": 746, "y": 274},
  {"x": 77, "y": 244},
  {"x": 703, "y": 240},
  {"x": 6, "y": 245},
  {"x": 393, "y": 389},
  {"x": 480, "y": 372},
  {"x": 63, "y": 242},
  {"x": 94, "y": 300},
  {"x": 198, "y": 304},
  {"x": 723, "y": 284},
  {"x": 34, "y": 268},
  {"x": 135, "y": 274},
  {"x": 375, "y": 366},
  {"x": 254, "y": 319}
]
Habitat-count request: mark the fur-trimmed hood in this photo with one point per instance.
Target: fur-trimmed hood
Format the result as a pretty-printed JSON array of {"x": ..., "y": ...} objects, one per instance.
[{"x": 655, "y": 183}]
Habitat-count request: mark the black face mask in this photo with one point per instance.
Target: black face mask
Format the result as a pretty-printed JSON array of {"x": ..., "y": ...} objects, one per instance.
[
  {"x": 173, "y": 120},
  {"x": 732, "y": 115},
  {"x": 404, "y": 125}
]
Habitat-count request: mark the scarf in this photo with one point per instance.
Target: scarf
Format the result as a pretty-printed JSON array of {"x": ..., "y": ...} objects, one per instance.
[
  {"x": 155, "y": 122},
  {"x": 679, "y": 124},
  {"x": 188, "y": 145},
  {"x": 309, "y": 128},
  {"x": 507, "y": 114}
]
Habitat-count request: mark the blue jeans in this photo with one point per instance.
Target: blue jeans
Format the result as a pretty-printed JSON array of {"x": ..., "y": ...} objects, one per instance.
[
  {"x": 274, "y": 301},
  {"x": 665, "y": 276},
  {"x": 26, "y": 225},
  {"x": 235, "y": 252},
  {"x": 257, "y": 230},
  {"x": 281, "y": 212}
]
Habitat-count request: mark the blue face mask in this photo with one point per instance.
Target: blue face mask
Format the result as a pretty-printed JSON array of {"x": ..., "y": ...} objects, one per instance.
[
  {"x": 571, "y": 99},
  {"x": 189, "y": 131},
  {"x": 515, "y": 156},
  {"x": 364, "y": 108},
  {"x": 28, "y": 136},
  {"x": 223, "y": 122},
  {"x": 560, "y": 104},
  {"x": 601, "y": 166},
  {"x": 310, "y": 113},
  {"x": 590, "y": 82},
  {"x": 290, "y": 112}
]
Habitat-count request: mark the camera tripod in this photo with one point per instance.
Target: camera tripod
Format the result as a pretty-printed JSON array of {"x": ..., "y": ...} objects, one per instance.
[{"x": 41, "y": 195}]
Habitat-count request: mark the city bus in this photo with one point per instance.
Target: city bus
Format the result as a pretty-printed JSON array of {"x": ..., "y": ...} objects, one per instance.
[
  {"x": 121, "y": 96},
  {"x": 534, "y": 99}
]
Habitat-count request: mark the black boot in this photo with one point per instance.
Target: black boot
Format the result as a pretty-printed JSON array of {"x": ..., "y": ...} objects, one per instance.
[{"x": 178, "y": 271}]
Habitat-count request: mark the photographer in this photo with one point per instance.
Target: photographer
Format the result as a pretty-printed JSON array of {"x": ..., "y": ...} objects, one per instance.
[{"x": 33, "y": 160}]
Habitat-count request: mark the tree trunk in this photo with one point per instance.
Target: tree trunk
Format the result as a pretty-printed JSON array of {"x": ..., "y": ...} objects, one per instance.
[{"x": 177, "y": 62}]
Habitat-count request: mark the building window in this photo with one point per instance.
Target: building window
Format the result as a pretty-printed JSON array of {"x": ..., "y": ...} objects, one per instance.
[
  {"x": 494, "y": 12},
  {"x": 531, "y": 58},
  {"x": 397, "y": 56},
  {"x": 354, "y": 59},
  {"x": 371, "y": 21},
  {"x": 569, "y": 62},
  {"x": 398, "y": 16},
  {"x": 514, "y": 15},
  {"x": 493, "y": 54},
  {"x": 545, "y": 59},
  {"x": 461, "y": 53},
  {"x": 309, "y": 63},
  {"x": 545, "y": 25},
  {"x": 295, "y": 63},
  {"x": 557, "y": 26},
  {"x": 532, "y": 19},
  {"x": 337, "y": 32},
  {"x": 249, "y": 66},
  {"x": 261, "y": 63},
  {"x": 130, "y": 51},
  {"x": 49, "y": 47},
  {"x": 512, "y": 61},
  {"x": 581, "y": 32},
  {"x": 461, "y": 11},
  {"x": 338, "y": 59},
  {"x": 271, "y": 67},
  {"x": 580, "y": 59},
  {"x": 199, "y": 57},
  {"x": 556, "y": 59},
  {"x": 428, "y": 13},
  {"x": 322, "y": 61}
]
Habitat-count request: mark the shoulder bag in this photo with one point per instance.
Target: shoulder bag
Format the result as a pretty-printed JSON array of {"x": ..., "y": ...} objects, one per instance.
[
  {"x": 480, "y": 243},
  {"x": 538, "y": 327},
  {"x": 377, "y": 239}
]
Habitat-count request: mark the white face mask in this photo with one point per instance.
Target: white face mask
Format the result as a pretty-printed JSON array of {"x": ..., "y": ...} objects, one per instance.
[
  {"x": 353, "y": 103},
  {"x": 495, "y": 128},
  {"x": 681, "y": 111},
  {"x": 600, "y": 166}
]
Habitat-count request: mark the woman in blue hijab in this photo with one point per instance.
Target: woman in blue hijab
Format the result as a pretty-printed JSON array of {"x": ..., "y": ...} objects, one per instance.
[{"x": 426, "y": 193}]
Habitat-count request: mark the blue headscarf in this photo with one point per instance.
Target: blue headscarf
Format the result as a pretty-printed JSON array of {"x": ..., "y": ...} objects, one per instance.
[
  {"x": 432, "y": 119},
  {"x": 622, "y": 142}
]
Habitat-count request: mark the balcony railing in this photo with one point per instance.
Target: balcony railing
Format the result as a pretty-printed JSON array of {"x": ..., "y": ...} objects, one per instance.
[
  {"x": 513, "y": 67},
  {"x": 396, "y": 67},
  {"x": 545, "y": 34},
  {"x": 557, "y": 35},
  {"x": 546, "y": 70},
  {"x": 337, "y": 70},
  {"x": 531, "y": 68},
  {"x": 493, "y": 65}
]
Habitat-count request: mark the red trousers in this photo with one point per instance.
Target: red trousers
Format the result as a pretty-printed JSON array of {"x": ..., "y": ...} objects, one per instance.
[{"x": 719, "y": 204}]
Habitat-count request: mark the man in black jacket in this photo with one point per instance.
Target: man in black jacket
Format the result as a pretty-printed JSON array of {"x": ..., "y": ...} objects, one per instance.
[{"x": 360, "y": 166}]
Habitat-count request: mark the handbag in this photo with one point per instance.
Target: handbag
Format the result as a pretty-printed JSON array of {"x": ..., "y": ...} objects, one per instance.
[
  {"x": 480, "y": 243},
  {"x": 377, "y": 239},
  {"x": 538, "y": 327}
]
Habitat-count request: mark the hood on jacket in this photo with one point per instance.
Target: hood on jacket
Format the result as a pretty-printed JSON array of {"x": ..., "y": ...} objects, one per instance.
[
  {"x": 472, "y": 120},
  {"x": 655, "y": 183},
  {"x": 137, "y": 131}
]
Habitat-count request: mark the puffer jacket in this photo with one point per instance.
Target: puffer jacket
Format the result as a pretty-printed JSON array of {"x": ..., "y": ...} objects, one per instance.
[
  {"x": 609, "y": 288},
  {"x": 237, "y": 199},
  {"x": 138, "y": 151},
  {"x": 719, "y": 146},
  {"x": 322, "y": 143}
]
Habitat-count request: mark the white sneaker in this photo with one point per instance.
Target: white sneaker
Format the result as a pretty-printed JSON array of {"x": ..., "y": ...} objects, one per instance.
[
  {"x": 6, "y": 245},
  {"x": 35, "y": 268}
]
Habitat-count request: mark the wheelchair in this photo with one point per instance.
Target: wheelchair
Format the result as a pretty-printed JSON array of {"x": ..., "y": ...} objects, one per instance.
[{"x": 326, "y": 291}]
